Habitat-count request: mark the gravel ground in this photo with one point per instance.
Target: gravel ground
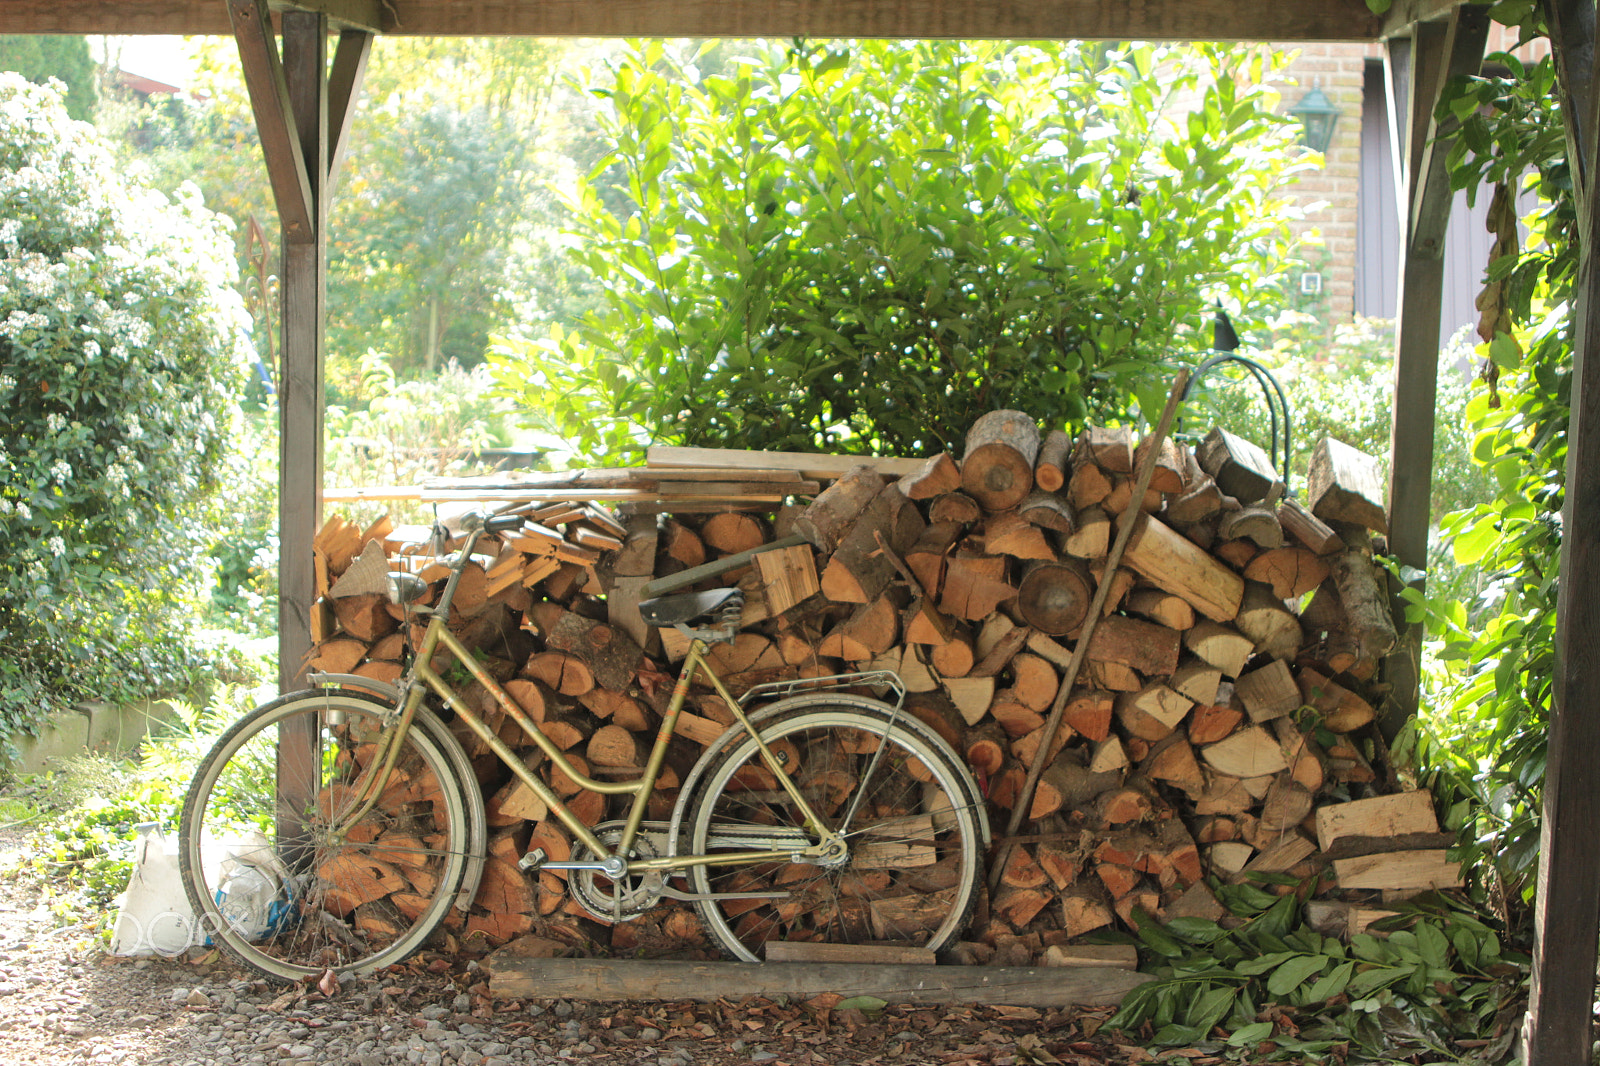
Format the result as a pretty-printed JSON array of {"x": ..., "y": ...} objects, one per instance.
[{"x": 62, "y": 1001}]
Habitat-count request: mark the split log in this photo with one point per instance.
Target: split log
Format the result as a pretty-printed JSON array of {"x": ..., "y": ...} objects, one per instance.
[
  {"x": 1346, "y": 485},
  {"x": 1250, "y": 752},
  {"x": 1381, "y": 816},
  {"x": 859, "y": 569},
  {"x": 829, "y": 517},
  {"x": 1089, "y": 714},
  {"x": 1271, "y": 626},
  {"x": 1198, "y": 503},
  {"x": 1088, "y": 486},
  {"x": 938, "y": 475},
  {"x": 1307, "y": 528},
  {"x": 1161, "y": 607},
  {"x": 1269, "y": 692},
  {"x": 1109, "y": 447},
  {"x": 1167, "y": 475},
  {"x": 1342, "y": 710},
  {"x": 1224, "y": 648},
  {"x": 788, "y": 577},
  {"x": 1152, "y": 713},
  {"x": 1049, "y": 511},
  {"x": 1084, "y": 908},
  {"x": 1241, "y": 469},
  {"x": 1008, "y": 533},
  {"x": 1034, "y": 681},
  {"x": 1145, "y": 647},
  {"x": 1291, "y": 572},
  {"x": 1197, "y": 680},
  {"x": 1172, "y": 562},
  {"x": 1092, "y": 537},
  {"x": 1255, "y": 523},
  {"x": 1209, "y": 722},
  {"x": 971, "y": 695}
]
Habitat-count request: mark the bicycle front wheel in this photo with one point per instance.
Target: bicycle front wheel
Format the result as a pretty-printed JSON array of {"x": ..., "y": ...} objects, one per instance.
[
  {"x": 277, "y": 874},
  {"x": 905, "y": 806}
]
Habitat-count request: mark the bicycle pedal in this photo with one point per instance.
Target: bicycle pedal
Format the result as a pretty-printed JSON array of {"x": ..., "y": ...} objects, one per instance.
[{"x": 533, "y": 860}]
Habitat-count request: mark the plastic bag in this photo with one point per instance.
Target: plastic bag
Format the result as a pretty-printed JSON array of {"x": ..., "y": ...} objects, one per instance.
[{"x": 153, "y": 915}]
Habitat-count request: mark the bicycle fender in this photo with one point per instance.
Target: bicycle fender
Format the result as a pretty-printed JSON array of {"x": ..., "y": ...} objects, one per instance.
[{"x": 384, "y": 689}]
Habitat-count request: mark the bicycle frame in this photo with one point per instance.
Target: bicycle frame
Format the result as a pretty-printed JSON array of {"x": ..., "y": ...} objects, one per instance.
[{"x": 422, "y": 678}]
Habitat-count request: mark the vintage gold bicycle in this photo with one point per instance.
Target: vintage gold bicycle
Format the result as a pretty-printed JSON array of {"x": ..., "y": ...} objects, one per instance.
[{"x": 337, "y": 828}]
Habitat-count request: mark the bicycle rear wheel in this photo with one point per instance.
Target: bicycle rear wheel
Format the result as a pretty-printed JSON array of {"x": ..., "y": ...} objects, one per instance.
[
  {"x": 277, "y": 878},
  {"x": 907, "y": 808}
]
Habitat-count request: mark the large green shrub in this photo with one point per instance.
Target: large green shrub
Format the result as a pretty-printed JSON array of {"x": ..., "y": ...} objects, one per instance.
[
  {"x": 866, "y": 250},
  {"x": 121, "y": 347}
]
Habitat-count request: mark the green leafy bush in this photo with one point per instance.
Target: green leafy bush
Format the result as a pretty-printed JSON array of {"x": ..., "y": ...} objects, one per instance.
[
  {"x": 866, "y": 250},
  {"x": 1263, "y": 986},
  {"x": 1482, "y": 737},
  {"x": 121, "y": 346}
]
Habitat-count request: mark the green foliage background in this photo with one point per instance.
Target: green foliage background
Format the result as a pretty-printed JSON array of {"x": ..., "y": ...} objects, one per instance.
[
  {"x": 40, "y": 57},
  {"x": 121, "y": 348},
  {"x": 865, "y": 249}
]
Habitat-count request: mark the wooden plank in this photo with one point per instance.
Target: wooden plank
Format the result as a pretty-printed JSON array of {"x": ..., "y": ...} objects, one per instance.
[
  {"x": 587, "y": 495},
  {"x": 812, "y": 467},
  {"x": 1380, "y": 816},
  {"x": 1426, "y": 868},
  {"x": 630, "y": 980},
  {"x": 1173, "y": 20}
]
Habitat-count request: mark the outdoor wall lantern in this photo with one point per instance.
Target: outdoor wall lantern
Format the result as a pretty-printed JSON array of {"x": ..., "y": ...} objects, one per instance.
[{"x": 1317, "y": 115}]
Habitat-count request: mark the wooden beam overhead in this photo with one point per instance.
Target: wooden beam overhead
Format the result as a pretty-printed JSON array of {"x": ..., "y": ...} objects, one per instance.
[
  {"x": 368, "y": 15},
  {"x": 1172, "y": 20}
]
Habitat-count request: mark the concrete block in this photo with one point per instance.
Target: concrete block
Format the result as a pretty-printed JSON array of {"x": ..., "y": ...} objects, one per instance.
[
  {"x": 63, "y": 735},
  {"x": 105, "y": 726}
]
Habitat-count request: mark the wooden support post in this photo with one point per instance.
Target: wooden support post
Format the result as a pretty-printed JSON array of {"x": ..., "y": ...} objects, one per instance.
[
  {"x": 302, "y": 114},
  {"x": 1439, "y": 51},
  {"x": 1567, "y": 906},
  {"x": 290, "y": 96}
]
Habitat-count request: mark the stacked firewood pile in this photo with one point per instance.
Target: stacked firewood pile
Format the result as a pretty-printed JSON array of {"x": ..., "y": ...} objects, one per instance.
[{"x": 1221, "y": 720}]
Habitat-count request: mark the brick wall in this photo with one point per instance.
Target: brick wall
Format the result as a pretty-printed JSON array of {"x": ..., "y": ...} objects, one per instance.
[{"x": 1328, "y": 195}]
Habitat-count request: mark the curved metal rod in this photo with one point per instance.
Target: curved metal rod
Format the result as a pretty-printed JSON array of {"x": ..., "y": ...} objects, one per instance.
[{"x": 1264, "y": 379}]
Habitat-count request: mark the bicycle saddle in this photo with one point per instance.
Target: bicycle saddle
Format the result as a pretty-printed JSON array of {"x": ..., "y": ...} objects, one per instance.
[{"x": 686, "y": 607}]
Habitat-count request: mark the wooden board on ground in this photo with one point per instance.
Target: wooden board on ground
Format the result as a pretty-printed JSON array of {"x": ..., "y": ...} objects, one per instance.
[
  {"x": 874, "y": 954},
  {"x": 627, "y": 980}
]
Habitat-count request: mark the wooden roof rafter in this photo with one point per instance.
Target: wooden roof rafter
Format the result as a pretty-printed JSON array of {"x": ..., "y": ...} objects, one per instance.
[{"x": 1155, "y": 20}]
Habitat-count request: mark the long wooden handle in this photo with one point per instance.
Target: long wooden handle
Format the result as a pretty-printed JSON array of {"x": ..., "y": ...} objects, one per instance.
[
  {"x": 696, "y": 574},
  {"x": 1052, "y": 725}
]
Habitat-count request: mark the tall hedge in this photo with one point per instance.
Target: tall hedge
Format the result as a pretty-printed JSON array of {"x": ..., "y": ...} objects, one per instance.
[{"x": 121, "y": 348}]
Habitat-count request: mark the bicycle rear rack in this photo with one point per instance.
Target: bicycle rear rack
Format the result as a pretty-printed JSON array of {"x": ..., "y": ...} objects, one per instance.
[{"x": 886, "y": 679}]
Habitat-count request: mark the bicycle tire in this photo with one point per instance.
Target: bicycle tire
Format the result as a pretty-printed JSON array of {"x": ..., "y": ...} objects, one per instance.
[
  {"x": 918, "y": 830},
  {"x": 349, "y": 905}
]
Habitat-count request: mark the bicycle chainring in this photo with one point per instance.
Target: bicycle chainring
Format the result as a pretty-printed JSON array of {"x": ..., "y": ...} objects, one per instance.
[{"x": 616, "y": 901}]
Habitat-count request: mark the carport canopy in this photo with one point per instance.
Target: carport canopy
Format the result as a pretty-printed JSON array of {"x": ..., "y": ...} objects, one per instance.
[{"x": 304, "y": 102}]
